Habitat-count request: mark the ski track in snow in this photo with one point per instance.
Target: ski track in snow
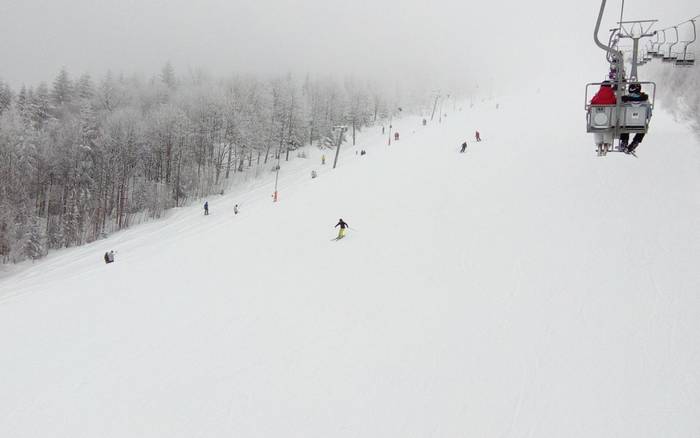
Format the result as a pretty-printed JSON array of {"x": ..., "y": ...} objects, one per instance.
[{"x": 524, "y": 288}]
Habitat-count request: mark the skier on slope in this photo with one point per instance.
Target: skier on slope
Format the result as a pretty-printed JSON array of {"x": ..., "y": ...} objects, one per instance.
[
  {"x": 109, "y": 257},
  {"x": 235, "y": 209},
  {"x": 464, "y": 147},
  {"x": 206, "y": 208},
  {"x": 343, "y": 225},
  {"x": 477, "y": 136}
]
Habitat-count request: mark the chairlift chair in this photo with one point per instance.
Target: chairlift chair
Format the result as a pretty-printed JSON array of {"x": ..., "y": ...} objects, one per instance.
[
  {"x": 653, "y": 47},
  {"x": 621, "y": 117},
  {"x": 659, "y": 53},
  {"x": 670, "y": 55},
  {"x": 687, "y": 58}
]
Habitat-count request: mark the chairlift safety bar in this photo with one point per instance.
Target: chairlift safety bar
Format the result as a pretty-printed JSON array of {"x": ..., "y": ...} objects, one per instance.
[{"x": 651, "y": 101}]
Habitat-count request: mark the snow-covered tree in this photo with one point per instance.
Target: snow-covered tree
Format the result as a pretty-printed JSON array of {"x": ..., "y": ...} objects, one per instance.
[
  {"x": 34, "y": 247},
  {"x": 167, "y": 75},
  {"x": 5, "y": 96},
  {"x": 62, "y": 90}
]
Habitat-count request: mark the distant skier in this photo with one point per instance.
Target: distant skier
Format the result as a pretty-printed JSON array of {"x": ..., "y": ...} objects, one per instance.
[
  {"x": 343, "y": 225},
  {"x": 109, "y": 257},
  {"x": 425, "y": 122},
  {"x": 235, "y": 209},
  {"x": 206, "y": 208},
  {"x": 323, "y": 159},
  {"x": 464, "y": 147},
  {"x": 396, "y": 136},
  {"x": 477, "y": 136}
]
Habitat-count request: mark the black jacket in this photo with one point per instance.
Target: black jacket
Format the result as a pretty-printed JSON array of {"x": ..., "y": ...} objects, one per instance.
[
  {"x": 635, "y": 97},
  {"x": 342, "y": 224}
]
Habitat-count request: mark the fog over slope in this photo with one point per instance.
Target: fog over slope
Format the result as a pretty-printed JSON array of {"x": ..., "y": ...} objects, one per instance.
[{"x": 447, "y": 42}]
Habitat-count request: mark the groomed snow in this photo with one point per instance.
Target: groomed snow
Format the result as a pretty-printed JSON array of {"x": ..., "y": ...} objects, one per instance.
[{"x": 526, "y": 288}]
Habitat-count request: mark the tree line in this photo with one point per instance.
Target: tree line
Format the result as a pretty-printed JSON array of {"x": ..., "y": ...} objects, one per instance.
[{"x": 81, "y": 158}]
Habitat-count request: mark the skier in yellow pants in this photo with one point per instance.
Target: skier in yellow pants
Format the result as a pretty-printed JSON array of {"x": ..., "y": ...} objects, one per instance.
[{"x": 343, "y": 226}]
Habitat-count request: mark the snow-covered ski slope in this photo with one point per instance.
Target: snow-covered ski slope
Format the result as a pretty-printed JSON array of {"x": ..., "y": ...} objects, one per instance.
[{"x": 526, "y": 288}]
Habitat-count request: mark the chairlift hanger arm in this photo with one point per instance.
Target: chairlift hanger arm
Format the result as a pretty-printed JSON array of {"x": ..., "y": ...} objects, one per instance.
[
  {"x": 689, "y": 42},
  {"x": 597, "y": 41},
  {"x": 612, "y": 39},
  {"x": 695, "y": 33}
]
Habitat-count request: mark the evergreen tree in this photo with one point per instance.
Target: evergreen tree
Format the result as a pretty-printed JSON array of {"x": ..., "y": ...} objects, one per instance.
[
  {"x": 71, "y": 222},
  {"x": 5, "y": 229},
  {"x": 167, "y": 75},
  {"x": 88, "y": 125},
  {"x": 5, "y": 96},
  {"x": 84, "y": 89},
  {"x": 62, "y": 90},
  {"x": 108, "y": 94},
  {"x": 55, "y": 235},
  {"x": 34, "y": 240},
  {"x": 22, "y": 101},
  {"x": 41, "y": 105}
]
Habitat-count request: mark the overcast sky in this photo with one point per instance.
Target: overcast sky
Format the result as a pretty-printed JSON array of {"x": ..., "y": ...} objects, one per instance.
[{"x": 457, "y": 40}]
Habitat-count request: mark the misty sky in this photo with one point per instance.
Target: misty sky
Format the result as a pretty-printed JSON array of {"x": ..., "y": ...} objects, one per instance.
[{"x": 457, "y": 41}]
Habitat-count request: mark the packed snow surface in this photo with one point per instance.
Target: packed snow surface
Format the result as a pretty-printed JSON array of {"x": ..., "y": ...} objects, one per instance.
[{"x": 526, "y": 288}]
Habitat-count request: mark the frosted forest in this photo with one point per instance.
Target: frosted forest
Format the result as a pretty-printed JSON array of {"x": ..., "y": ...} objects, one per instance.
[{"x": 81, "y": 158}]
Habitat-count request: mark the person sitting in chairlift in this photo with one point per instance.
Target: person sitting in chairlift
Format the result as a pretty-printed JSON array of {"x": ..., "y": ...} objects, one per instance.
[
  {"x": 635, "y": 94},
  {"x": 604, "y": 96}
]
